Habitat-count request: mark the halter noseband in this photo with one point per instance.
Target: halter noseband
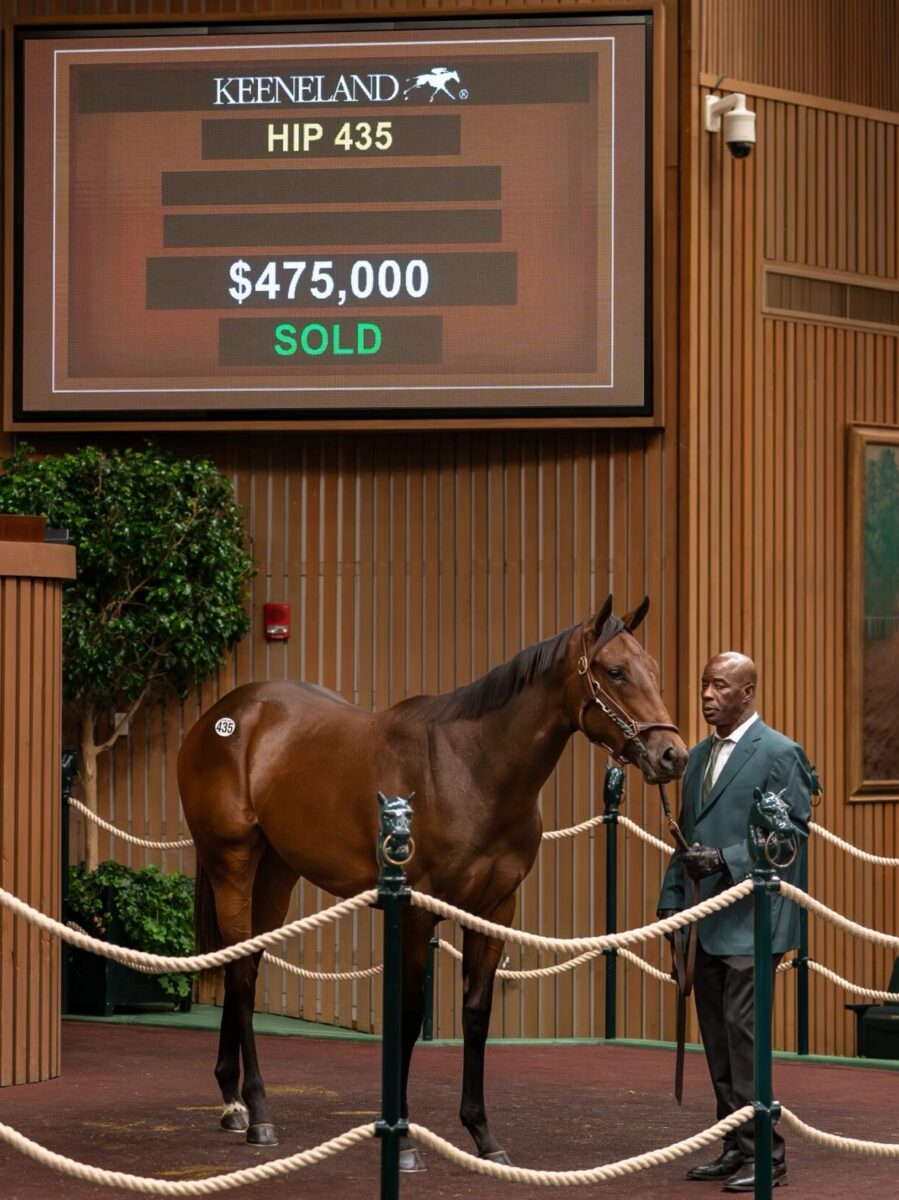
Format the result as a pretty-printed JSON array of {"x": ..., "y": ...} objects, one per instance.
[{"x": 594, "y": 693}]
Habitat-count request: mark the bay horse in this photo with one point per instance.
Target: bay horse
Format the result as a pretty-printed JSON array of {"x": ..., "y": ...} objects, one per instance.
[{"x": 280, "y": 780}]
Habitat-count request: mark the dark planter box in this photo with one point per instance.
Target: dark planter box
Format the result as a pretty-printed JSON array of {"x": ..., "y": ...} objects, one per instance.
[{"x": 100, "y": 987}]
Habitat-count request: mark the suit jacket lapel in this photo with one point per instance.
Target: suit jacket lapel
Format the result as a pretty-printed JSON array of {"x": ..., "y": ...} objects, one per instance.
[{"x": 739, "y": 757}]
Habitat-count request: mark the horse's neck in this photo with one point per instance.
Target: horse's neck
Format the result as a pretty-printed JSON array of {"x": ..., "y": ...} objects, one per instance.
[{"x": 521, "y": 743}]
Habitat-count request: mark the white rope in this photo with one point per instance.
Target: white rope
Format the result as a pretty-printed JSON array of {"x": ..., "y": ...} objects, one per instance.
[
  {"x": 850, "y": 849},
  {"x": 850, "y": 987},
  {"x": 836, "y": 1142},
  {"x": 624, "y": 1166},
  {"x": 664, "y": 976},
  {"x": 185, "y": 1187},
  {"x": 559, "y": 968},
  {"x": 554, "y": 834},
  {"x": 647, "y": 837},
  {"x": 196, "y": 962},
  {"x": 821, "y": 910},
  {"x": 606, "y": 941},
  {"x": 128, "y": 837},
  {"x": 337, "y": 976}
]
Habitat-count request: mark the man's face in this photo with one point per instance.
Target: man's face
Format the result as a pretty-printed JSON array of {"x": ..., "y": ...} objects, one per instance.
[{"x": 727, "y": 695}]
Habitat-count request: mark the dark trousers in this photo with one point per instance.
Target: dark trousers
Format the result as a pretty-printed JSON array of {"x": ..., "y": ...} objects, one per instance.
[{"x": 723, "y": 988}]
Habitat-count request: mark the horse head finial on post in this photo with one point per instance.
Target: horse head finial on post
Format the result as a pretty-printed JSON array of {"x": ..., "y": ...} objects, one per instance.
[
  {"x": 772, "y": 838},
  {"x": 395, "y": 844}
]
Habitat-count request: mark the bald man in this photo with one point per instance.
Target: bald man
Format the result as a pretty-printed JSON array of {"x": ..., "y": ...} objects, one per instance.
[{"x": 722, "y": 773}]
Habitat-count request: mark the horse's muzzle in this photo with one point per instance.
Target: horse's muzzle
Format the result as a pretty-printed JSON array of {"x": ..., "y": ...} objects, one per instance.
[{"x": 666, "y": 759}]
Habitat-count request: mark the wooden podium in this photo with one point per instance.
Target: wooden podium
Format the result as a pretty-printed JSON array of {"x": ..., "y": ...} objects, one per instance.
[{"x": 31, "y": 575}]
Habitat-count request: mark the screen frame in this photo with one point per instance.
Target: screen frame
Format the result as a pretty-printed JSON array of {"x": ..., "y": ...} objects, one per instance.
[{"x": 648, "y": 414}]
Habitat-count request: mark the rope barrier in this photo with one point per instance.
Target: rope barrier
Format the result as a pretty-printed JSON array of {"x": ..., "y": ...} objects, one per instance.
[
  {"x": 155, "y": 964},
  {"x": 184, "y": 1187},
  {"x": 624, "y": 1166},
  {"x": 128, "y": 837},
  {"x": 647, "y": 837},
  {"x": 870, "y": 993},
  {"x": 836, "y": 1142},
  {"x": 548, "y": 836},
  {"x": 552, "y": 835},
  {"x": 850, "y": 849},
  {"x": 196, "y": 962},
  {"x": 328, "y": 976},
  {"x": 821, "y": 910},
  {"x": 606, "y": 941}
]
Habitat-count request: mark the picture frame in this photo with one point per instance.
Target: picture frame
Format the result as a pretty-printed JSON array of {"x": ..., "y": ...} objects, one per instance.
[{"x": 872, "y": 609}]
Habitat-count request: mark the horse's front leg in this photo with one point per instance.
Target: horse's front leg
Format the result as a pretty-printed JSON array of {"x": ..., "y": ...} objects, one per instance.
[
  {"x": 480, "y": 958},
  {"x": 417, "y": 929}
]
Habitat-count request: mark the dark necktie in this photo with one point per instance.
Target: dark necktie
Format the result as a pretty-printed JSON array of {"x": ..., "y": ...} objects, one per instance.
[{"x": 717, "y": 744}]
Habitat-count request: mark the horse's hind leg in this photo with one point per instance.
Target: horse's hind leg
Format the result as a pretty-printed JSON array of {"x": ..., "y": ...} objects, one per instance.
[
  {"x": 480, "y": 958},
  {"x": 251, "y": 897}
]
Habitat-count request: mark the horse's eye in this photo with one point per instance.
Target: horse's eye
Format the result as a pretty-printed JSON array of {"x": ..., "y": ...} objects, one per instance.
[{"x": 615, "y": 672}]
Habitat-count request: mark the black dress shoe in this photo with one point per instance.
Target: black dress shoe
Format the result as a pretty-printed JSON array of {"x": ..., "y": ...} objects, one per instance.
[
  {"x": 744, "y": 1181},
  {"x": 722, "y": 1168}
]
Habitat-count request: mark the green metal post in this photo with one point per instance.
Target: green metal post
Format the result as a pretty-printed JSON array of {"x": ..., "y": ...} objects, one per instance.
[
  {"x": 394, "y": 849},
  {"x": 614, "y": 782},
  {"x": 765, "y": 882},
  {"x": 69, "y": 771},
  {"x": 801, "y": 963},
  {"x": 427, "y": 1025}
]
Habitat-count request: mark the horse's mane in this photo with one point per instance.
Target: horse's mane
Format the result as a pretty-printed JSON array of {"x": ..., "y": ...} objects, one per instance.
[{"x": 493, "y": 690}]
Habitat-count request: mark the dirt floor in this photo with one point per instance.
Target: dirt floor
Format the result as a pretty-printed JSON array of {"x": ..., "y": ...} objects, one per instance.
[{"x": 143, "y": 1100}]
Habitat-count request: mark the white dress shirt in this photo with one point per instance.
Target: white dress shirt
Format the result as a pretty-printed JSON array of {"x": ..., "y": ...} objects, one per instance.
[{"x": 729, "y": 745}]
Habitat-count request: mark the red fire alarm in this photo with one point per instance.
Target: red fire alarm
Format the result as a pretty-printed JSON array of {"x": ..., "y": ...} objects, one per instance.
[{"x": 277, "y": 622}]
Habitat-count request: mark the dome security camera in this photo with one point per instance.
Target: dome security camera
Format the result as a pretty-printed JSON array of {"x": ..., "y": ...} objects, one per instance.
[{"x": 739, "y": 122}]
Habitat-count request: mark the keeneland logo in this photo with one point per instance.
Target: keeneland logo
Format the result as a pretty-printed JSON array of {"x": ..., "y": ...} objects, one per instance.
[
  {"x": 438, "y": 79},
  {"x": 378, "y": 88}
]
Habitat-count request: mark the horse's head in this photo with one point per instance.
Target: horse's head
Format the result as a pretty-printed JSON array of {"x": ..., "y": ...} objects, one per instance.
[
  {"x": 771, "y": 835},
  {"x": 617, "y": 698}
]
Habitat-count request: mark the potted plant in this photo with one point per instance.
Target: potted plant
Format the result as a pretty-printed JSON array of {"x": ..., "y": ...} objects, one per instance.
[{"x": 142, "y": 909}]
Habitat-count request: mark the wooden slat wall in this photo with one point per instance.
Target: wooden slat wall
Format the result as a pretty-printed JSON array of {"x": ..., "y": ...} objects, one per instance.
[
  {"x": 30, "y": 827},
  {"x": 830, "y": 48},
  {"x": 768, "y": 414}
]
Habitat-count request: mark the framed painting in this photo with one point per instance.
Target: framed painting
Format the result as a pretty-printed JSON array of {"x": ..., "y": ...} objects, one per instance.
[{"x": 873, "y": 613}]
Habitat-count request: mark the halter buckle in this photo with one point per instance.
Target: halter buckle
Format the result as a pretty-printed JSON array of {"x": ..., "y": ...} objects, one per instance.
[{"x": 583, "y": 665}]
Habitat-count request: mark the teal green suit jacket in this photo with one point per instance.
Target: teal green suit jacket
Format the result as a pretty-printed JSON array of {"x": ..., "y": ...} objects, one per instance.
[{"x": 765, "y": 759}]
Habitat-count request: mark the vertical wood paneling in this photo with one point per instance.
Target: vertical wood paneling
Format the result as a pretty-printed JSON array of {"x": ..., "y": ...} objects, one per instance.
[
  {"x": 30, "y": 725},
  {"x": 770, "y": 507},
  {"x": 824, "y": 48}
]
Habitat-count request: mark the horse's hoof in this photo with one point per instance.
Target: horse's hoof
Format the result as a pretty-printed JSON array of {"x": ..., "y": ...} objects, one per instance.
[
  {"x": 262, "y": 1134},
  {"x": 235, "y": 1118},
  {"x": 411, "y": 1160},
  {"x": 498, "y": 1156}
]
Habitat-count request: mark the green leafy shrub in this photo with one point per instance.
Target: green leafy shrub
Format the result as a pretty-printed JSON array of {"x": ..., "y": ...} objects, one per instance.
[
  {"x": 154, "y": 911},
  {"x": 162, "y": 588}
]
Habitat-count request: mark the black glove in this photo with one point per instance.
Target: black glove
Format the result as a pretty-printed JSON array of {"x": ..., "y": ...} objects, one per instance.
[
  {"x": 661, "y": 914},
  {"x": 701, "y": 861}
]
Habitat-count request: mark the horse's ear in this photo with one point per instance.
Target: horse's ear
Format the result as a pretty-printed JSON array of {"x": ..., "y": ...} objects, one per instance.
[
  {"x": 601, "y": 617},
  {"x": 635, "y": 618}
]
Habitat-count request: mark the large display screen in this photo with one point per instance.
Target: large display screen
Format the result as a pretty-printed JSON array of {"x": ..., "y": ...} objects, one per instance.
[{"x": 384, "y": 222}]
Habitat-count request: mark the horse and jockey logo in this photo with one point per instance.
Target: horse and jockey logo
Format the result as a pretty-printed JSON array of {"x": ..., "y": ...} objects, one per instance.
[{"x": 438, "y": 80}]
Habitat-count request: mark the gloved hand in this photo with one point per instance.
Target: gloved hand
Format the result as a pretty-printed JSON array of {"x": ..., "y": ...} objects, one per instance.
[
  {"x": 701, "y": 861},
  {"x": 661, "y": 914}
]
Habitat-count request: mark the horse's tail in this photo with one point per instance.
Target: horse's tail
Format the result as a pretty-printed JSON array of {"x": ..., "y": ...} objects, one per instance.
[{"x": 206, "y": 927}]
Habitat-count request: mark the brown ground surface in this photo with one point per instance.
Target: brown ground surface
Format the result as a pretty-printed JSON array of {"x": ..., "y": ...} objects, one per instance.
[
  {"x": 881, "y": 715},
  {"x": 143, "y": 1100}
]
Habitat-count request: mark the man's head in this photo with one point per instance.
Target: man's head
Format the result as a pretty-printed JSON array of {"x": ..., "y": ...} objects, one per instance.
[{"x": 728, "y": 691}]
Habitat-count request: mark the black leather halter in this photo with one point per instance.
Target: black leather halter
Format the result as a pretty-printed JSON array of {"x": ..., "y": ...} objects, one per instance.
[{"x": 594, "y": 693}]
